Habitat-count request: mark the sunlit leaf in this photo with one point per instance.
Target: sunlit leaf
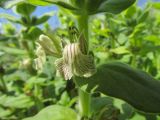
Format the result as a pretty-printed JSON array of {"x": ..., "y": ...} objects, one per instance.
[
  {"x": 156, "y": 5},
  {"x": 39, "y": 2},
  {"x": 120, "y": 50},
  {"x": 55, "y": 112},
  {"x": 138, "y": 117}
]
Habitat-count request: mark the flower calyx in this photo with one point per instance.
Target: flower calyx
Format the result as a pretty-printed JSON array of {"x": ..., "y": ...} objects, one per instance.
[{"x": 46, "y": 46}]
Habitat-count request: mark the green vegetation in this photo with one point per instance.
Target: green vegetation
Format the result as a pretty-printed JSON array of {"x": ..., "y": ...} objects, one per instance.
[{"x": 102, "y": 63}]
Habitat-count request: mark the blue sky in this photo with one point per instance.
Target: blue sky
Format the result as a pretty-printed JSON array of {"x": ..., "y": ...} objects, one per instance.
[
  {"x": 142, "y": 2},
  {"x": 53, "y": 21}
]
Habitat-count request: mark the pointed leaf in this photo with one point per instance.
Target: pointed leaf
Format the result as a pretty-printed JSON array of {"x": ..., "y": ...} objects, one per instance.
[
  {"x": 43, "y": 19},
  {"x": 119, "y": 80}
]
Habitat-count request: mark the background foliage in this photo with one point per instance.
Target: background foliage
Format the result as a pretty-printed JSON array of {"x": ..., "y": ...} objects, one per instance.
[{"x": 132, "y": 37}]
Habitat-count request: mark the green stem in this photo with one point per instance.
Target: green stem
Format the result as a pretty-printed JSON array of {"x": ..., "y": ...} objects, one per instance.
[
  {"x": 37, "y": 97},
  {"x": 84, "y": 28},
  {"x": 84, "y": 97},
  {"x": 84, "y": 103},
  {"x": 158, "y": 62}
]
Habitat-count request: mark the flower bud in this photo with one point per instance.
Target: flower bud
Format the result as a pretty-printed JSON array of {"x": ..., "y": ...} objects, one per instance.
[
  {"x": 41, "y": 58},
  {"x": 26, "y": 63},
  {"x": 48, "y": 46}
]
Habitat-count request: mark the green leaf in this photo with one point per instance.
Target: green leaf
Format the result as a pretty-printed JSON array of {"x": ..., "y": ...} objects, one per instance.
[
  {"x": 64, "y": 100},
  {"x": 93, "y": 5},
  {"x": 65, "y": 5},
  {"x": 98, "y": 103},
  {"x": 114, "y": 6},
  {"x": 120, "y": 50},
  {"x": 128, "y": 112},
  {"x": 54, "y": 112},
  {"x": 42, "y": 19},
  {"x": 138, "y": 117},
  {"x": 130, "y": 12},
  {"x": 2, "y": 3},
  {"x": 33, "y": 33},
  {"x": 119, "y": 80},
  {"x": 156, "y": 5},
  {"x": 9, "y": 18},
  {"x": 14, "y": 51},
  {"x": 39, "y": 2},
  {"x": 43, "y": 2},
  {"x": 144, "y": 15},
  {"x": 25, "y": 9},
  {"x": 10, "y": 3},
  {"x": 5, "y": 112},
  {"x": 89, "y": 6},
  {"x": 78, "y": 3},
  {"x": 97, "y": 6},
  {"x": 21, "y": 101},
  {"x": 102, "y": 109},
  {"x": 60, "y": 3}
]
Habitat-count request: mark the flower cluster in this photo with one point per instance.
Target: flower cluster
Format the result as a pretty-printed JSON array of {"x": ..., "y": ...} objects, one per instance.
[{"x": 71, "y": 60}]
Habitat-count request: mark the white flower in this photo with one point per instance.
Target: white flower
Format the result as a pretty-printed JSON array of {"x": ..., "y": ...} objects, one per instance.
[{"x": 74, "y": 62}]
